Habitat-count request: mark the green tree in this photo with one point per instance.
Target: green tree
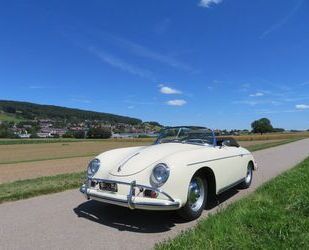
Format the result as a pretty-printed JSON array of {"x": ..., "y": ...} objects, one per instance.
[
  {"x": 152, "y": 123},
  {"x": 68, "y": 134},
  {"x": 79, "y": 134},
  {"x": 10, "y": 109},
  {"x": 34, "y": 135},
  {"x": 56, "y": 136},
  {"x": 99, "y": 133},
  {"x": 5, "y": 131},
  {"x": 278, "y": 130},
  {"x": 262, "y": 126}
]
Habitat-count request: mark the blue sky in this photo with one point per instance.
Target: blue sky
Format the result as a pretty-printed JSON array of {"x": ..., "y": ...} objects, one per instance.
[{"x": 218, "y": 63}]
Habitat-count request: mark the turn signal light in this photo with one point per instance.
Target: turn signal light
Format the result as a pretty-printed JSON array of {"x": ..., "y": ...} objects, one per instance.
[{"x": 150, "y": 193}]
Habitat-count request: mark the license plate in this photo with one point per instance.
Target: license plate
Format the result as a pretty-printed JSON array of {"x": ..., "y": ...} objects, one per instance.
[{"x": 108, "y": 186}]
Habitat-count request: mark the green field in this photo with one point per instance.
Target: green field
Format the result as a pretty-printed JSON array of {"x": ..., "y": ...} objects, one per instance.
[
  {"x": 276, "y": 216},
  {"x": 9, "y": 118}
]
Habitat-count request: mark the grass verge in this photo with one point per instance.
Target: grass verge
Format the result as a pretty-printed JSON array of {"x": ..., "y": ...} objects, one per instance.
[
  {"x": 44, "y": 185},
  {"x": 266, "y": 145},
  {"x": 274, "y": 217}
]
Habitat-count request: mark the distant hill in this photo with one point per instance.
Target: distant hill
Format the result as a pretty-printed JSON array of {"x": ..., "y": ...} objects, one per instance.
[{"x": 15, "y": 110}]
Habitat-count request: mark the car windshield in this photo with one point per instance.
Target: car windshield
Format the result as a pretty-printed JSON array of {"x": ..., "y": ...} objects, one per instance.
[{"x": 192, "y": 135}]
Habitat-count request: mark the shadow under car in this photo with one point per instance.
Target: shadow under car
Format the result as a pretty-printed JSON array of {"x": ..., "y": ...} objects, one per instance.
[{"x": 141, "y": 221}]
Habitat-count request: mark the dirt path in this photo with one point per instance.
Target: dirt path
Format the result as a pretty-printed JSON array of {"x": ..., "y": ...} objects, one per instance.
[{"x": 66, "y": 221}]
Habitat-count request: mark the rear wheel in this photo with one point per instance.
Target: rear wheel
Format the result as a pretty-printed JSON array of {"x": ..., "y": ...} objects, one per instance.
[
  {"x": 248, "y": 179},
  {"x": 197, "y": 197}
]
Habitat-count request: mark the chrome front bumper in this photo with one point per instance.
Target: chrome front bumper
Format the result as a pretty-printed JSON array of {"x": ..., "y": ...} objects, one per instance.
[{"x": 131, "y": 201}]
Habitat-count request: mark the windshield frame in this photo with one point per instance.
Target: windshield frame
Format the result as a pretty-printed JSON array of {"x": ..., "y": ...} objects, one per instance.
[{"x": 212, "y": 133}]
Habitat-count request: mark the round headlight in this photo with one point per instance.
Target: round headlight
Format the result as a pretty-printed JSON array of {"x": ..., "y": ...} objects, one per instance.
[
  {"x": 160, "y": 174},
  {"x": 93, "y": 167}
]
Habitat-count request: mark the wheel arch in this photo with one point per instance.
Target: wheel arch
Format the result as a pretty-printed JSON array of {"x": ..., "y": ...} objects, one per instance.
[
  {"x": 208, "y": 173},
  {"x": 251, "y": 162}
]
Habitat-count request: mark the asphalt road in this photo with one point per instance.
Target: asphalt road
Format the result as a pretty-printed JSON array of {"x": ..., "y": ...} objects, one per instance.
[{"x": 67, "y": 221}]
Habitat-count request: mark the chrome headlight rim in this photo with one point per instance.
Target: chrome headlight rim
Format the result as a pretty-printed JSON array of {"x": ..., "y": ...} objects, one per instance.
[
  {"x": 157, "y": 179},
  {"x": 93, "y": 167}
]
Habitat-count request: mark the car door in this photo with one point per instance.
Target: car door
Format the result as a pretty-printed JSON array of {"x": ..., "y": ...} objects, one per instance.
[{"x": 231, "y": 166}]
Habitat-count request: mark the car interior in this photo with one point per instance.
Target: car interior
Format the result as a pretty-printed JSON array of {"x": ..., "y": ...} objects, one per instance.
[{"x": 227, "y": 141}]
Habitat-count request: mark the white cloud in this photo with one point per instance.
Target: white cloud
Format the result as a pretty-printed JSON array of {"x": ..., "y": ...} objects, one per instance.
[
  {"x": 257, "y": 102},
  {"x": 208, "y": 3},
  {"x": 162, "y": 26},
  {"x": 36, "y": 87},
  {"x": 133, "y": 103},
  {"x": 120, "y": 64},
  {"x": 41, "y": 87},
  {"x": 282, "y": 21},
  {"x": 177, "y": 102},
  {"x": 244, "y": 87},
  {"x": 304, "y": 83},
  {"x": 251, "y": 103},
  {"x": 302, "y": 106},
  {"x": 257, "y": 94},
  {"x": 168, "y": 90},
  {"x": 142, "y": 51},
  {"x": 277, "y": 111}
]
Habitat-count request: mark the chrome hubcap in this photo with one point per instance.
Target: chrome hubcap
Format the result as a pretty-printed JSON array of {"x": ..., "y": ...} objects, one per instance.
[
  {"x": 196, "y": 194},
  {"x": 249, "y": 175}
]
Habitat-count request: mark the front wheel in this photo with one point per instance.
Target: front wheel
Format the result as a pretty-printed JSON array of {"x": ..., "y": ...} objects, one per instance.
[
  {"x": 197, "y": 197},
  {"x": 248, "y": 179}
]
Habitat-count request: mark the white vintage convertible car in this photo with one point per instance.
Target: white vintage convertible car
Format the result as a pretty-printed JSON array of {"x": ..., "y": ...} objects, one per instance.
[{"x": 182, "y": 170}]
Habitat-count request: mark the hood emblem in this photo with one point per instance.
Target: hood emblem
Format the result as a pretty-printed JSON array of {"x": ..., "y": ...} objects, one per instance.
[{"x": 125, "y": 161}]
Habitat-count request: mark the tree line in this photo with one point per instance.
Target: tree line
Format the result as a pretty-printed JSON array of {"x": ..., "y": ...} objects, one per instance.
[{"x": 92, "y": 133}]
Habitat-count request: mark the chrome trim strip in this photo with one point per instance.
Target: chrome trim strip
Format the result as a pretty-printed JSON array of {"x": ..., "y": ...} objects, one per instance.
[
  {"x": 159, "y": 205},
  {"x": 231, "y": 185},
  {"x": 216, "y": 159},
  {"x": 136, "y": 185},
  {"x": 126, "y": 160},
  {"x": 170, "y": 204},
  {"x": 130, "y": 202}
]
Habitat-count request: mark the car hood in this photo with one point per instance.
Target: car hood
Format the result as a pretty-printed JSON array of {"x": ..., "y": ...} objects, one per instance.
[{"x": 135, "y": 160}]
